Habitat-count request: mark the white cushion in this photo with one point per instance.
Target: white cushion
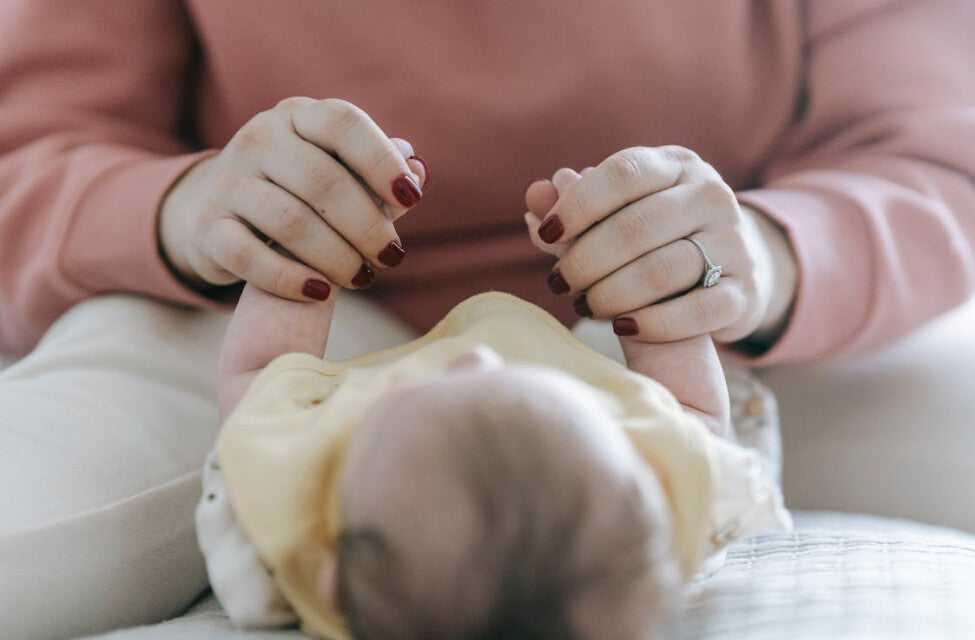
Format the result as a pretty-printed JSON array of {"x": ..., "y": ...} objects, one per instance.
[{"x": 891, "y": 433}]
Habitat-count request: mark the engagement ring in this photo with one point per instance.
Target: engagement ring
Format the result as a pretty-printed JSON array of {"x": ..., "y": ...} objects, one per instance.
[{"x": 712, "y": 271}]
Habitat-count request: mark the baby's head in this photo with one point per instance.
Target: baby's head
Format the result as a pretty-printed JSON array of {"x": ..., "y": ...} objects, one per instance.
[{"x": 499, "y": 501}]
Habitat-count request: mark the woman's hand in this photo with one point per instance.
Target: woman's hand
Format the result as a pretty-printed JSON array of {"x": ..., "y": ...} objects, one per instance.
[
  {"x": 620, "y": 229},
  {"x": 318, "y": 177}
]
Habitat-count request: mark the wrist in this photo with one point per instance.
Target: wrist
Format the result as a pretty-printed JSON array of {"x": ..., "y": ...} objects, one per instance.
[
  {"x": 171, "y": 240},
  {"x": 784, "y": 280}
]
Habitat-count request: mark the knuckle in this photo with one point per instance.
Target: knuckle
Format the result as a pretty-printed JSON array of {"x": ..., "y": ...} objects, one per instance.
[
  {"x": 226, "y": 182},
  {"x": 386, "y": 157},
  {"x": 719, "y": 196},
  {"x": 211, "y": 271},
  {"x": 292, "y": 224},
  {"x": 572, "y": 268},
  {"x": 202, "y": 225},
  {"x": 574, "y": 206},
  {"x": 658, "y": 272},
  {"x": 292, "y": 103},
  {"x": 256, "y": 132},
  {"x": 706, "y": 308},
  {"x": 662, "y": 327},
  {"x": 277, "y": 280},
  {"x": 323, "y": 180},
  {"x": 347, "y": 265},
  {"x": 679, "y": 153},
  {"x": 598, "y": 299},
  {"x": 250, "y": 136},
  {"x": 345, "y": 116},
  {"x": 632, "y": 229},
  {"x": 735, "y": 237},
  {"x": 236, "y": 256},
  {"x": 374, "y": 230},
  {"x": 716, "y": 309},
  {"x": 624, "y": 168}
]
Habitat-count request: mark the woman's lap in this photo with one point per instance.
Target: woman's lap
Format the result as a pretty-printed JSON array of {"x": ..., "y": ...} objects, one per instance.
[{"x": 103, "y": 430}]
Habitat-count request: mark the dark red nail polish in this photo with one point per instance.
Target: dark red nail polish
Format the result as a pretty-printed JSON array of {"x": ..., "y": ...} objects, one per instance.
[
  {"x": 625, "y": 327},
  {"x": 427, "y": 180},
  {"x": 363, "y": 279},
  {"x": 316, "y": 289},
  {"x": 392, "y": 255},
  {"x": 557, "y": 283},
  {"x": 551, "y": 230},
  {"x": 581, "y": 307},
  {"x": 406, "y": 192}
]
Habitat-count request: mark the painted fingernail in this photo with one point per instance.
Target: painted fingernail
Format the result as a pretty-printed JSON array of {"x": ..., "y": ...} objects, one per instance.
[
  {"x": 363, "y": 279},
  {"x": 392, "y": 255},
  {"x": 581, "y": 307},
  {"x": 557, "y": 283},
  {"x": 316, "y": 289},
  {"x": 551, "y": 230},
  {"x": 406, "y": 191},
  {"x": 625, "y": 327},
  {"x": 427, "y": 180}
]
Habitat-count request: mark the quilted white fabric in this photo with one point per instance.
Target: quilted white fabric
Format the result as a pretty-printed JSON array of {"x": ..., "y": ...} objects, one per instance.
[{"x": 837, "y": 576}]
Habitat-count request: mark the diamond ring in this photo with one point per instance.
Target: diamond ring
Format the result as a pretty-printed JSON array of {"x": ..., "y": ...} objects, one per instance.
[{"x": 712, "y": 272}]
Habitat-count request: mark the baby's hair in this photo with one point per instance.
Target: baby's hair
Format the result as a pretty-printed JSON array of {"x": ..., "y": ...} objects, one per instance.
[{"x": 529, "y": 571}]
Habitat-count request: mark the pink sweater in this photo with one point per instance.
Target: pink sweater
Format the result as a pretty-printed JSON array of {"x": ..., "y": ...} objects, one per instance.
[{"x": 851, "y": 123}]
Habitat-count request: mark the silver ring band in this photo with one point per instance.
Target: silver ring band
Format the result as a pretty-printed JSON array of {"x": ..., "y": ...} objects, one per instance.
[{"x": 712, "y": 272}]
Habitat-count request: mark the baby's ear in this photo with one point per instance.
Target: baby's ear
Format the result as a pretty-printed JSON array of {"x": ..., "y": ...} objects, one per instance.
[{"x": 328, "y": 585}]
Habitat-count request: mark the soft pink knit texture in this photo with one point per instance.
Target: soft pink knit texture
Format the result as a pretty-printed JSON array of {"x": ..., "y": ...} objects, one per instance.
[{"x": 852, "y": 124}]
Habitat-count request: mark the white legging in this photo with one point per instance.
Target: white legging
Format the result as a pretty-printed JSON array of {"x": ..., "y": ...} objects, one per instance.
[{"x": 103, "y": 431}]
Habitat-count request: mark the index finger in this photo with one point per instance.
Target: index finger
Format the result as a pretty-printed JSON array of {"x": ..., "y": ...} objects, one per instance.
[
  {"x": 343, "y": 129},
  {"x": 622, "y": 178}
]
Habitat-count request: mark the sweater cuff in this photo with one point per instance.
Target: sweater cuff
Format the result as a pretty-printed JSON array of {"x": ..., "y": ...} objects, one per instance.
[
  {"x": 833, "y": 287},
  {"x": 111, "y": 243}
]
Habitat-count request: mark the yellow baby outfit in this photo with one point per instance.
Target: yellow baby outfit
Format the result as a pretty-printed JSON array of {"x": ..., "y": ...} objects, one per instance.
[{"x": 282, "y": 449}]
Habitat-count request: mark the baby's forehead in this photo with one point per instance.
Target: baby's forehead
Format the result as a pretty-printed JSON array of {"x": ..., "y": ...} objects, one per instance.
[{"x": 514, "y": 379}]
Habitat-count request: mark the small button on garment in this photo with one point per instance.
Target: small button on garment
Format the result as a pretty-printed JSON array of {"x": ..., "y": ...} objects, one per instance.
[
  {"x": 723, "y": 535},
  {"x": 754, "y": 407}
]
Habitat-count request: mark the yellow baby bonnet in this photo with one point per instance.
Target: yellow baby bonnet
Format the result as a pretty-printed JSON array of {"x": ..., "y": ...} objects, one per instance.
[{"x": 283, "y": 447}]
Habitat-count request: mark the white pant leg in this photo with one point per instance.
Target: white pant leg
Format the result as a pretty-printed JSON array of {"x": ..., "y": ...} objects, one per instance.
[{"x": 103, "y": 430}]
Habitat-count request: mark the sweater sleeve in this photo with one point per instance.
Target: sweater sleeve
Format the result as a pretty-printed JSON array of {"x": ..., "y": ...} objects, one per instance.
[
  {"x": 875, "y": 185},
  {"x": 91, "y": 98}
]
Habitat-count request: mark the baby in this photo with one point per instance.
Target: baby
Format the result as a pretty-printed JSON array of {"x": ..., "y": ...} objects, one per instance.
[{"x": 493, "y": 478}]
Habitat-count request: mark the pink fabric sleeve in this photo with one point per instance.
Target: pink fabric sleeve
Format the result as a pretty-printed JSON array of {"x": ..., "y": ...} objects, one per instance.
[
  {"x": 875, "y": 186},
  {"x": 91, "y": 95}
]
